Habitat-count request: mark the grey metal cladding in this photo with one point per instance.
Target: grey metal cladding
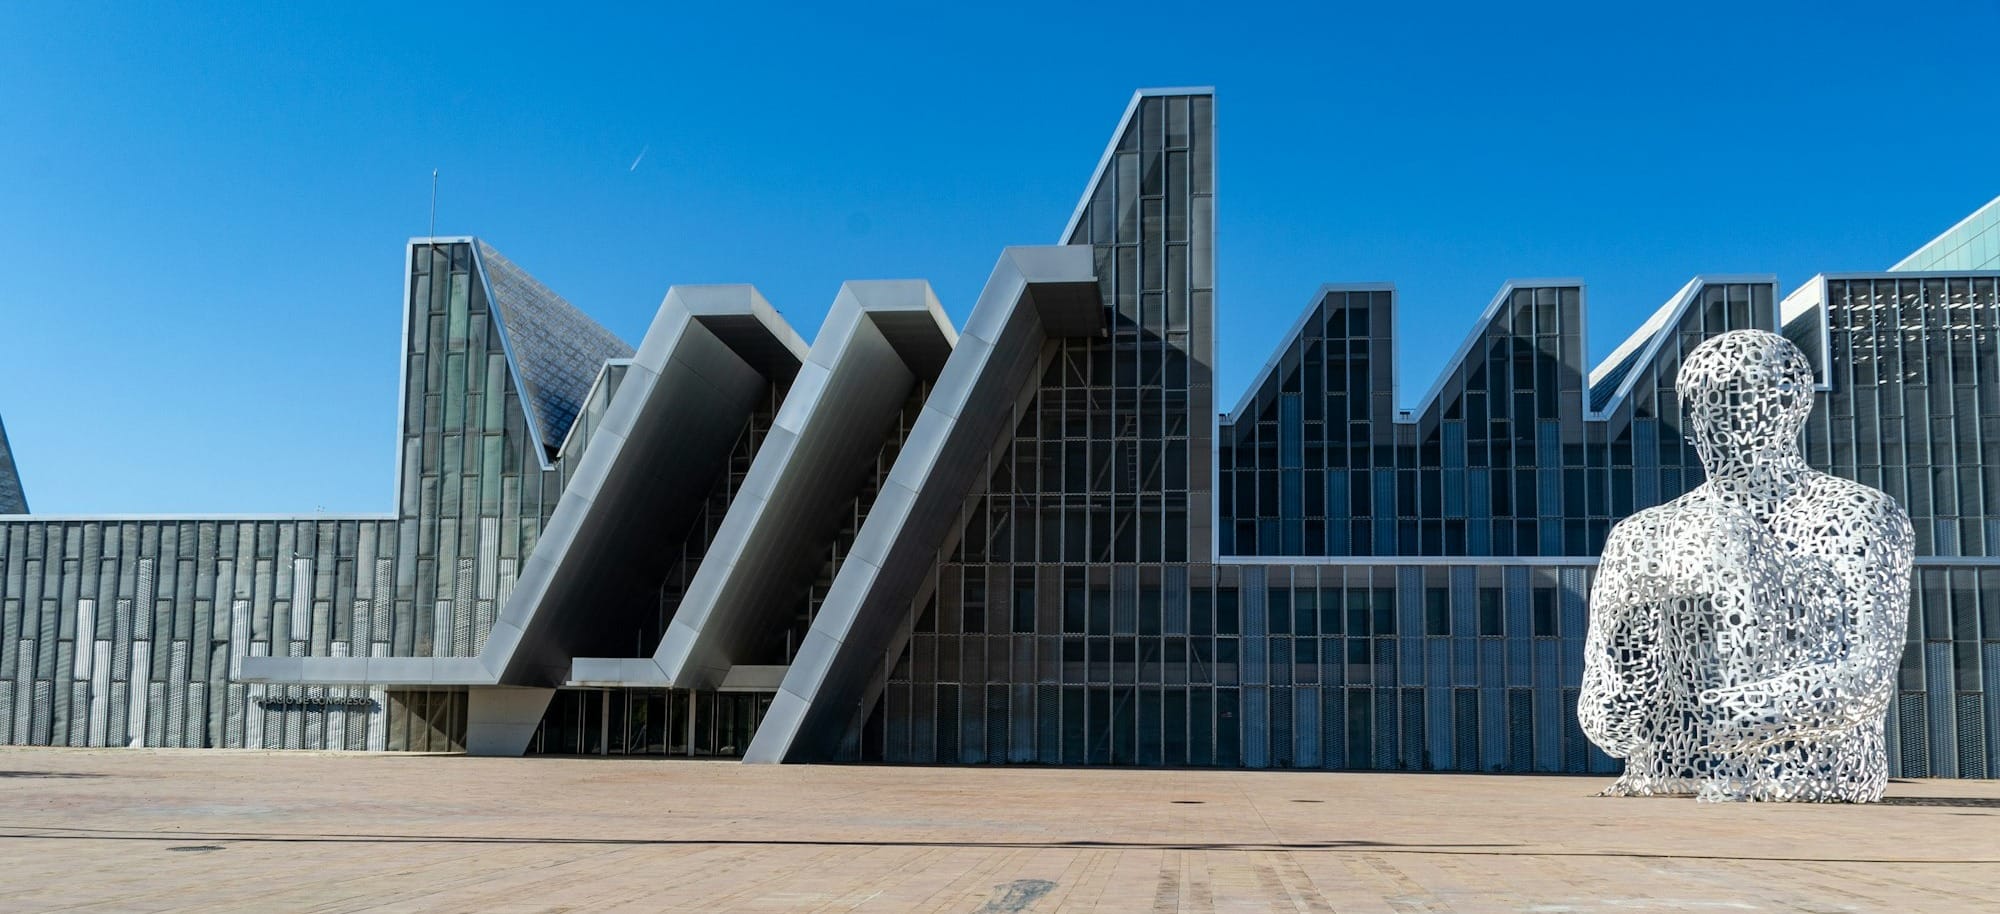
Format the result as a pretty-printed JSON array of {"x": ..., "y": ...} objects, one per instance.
[
  {"x": 803, "y": 480},
  {"x": 556, "y": 349},
  {"x": 13, "y": 500},
  {"x": 1504, "y": 456},
  {"x": 898, "y": 542},
  {"x": 616, "y": 523},
  {"x": 740, "y": 316},
  {"x": 192, "y": 611}
]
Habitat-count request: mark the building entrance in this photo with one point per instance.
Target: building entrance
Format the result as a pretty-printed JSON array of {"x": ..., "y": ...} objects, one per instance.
[{"x": 664, "y": 722}]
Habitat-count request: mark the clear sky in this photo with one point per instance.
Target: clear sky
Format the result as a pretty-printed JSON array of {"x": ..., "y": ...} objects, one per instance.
[{"x": 202, "y": 214}]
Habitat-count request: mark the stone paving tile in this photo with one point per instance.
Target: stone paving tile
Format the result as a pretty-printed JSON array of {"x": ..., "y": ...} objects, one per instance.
[{"x": 166, "y": 830}]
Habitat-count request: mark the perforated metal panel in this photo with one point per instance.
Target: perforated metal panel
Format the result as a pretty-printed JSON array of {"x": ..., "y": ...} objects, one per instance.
[
  {"x": 1415, "y": 751},
  {"x": 1256, "y": 723},
  {"x": 1942, "y": 736},
  {"x": 999, "y": 723},
  {"x": 1465, "y": 729},
  {"x": 1333, "y": 728},
  {"x": 1912, "y": 736},
  {"x": 1385, "y": 729},
  {"x": 1284, "y": 749},
  {"x": 1520, "y": 730},
  {"x": 896, "y": 722},
  {"x": 1972, "y": 751},
  {"x": 1306, "y": 729},
  {"x": 1437, "y": 662},
  {"x": 1439, "y": 751}
]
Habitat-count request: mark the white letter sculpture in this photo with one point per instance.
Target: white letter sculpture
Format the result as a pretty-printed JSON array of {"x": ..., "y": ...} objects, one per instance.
[{"x": 1744, "y": 637}]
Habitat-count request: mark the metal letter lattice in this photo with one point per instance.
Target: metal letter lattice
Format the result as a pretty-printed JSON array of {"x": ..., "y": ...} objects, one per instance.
[{"x": 1744, "y": 637}]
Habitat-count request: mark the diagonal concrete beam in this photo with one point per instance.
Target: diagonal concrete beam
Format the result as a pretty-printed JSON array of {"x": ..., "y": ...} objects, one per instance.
[{"x": 1034, "y": 293}]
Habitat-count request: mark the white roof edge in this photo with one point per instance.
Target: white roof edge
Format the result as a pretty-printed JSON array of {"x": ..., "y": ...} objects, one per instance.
[
  {"x": 534, "y": 421},
  {"x": 1908, "y": 274},
  {"x": 1665, "y": 314},
  {"x": 603, "y": 371},
  {"x": 1802, "y": 299},
  {"x": 1285, "y": 342},
  {"x": 929, "y": 305},
  {"x": 1111, "y": 148},
  {"x": 1652, "y": 334},
  {"x": 1479, "y": 326},
  {"x": 700, "y": 299},
  {"x": 1659, "y": 320},
  {"x": 1954, "y": 227}
]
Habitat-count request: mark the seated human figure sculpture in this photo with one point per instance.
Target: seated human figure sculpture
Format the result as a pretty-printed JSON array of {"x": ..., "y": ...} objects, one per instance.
[{"x": 1744, "y": 637}]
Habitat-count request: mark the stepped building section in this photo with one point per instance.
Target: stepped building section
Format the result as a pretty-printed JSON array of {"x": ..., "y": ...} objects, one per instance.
[{"x": 1027, "y": 540}]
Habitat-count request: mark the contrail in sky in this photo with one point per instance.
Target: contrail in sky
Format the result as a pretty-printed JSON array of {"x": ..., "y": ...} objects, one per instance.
[{"x": 642, "y": 157}]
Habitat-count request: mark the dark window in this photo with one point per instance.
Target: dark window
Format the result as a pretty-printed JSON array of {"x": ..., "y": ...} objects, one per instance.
[
  {"x": 1490, "y": 617},
  {"x": 1545, "y": 613},
  {"x": 1437, "y": 611}
]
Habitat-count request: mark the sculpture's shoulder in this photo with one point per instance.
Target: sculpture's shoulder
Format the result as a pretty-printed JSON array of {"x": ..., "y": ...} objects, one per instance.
[
  {"x": 1697, "y": 507},
  {"x": 1844, "y": 516},
  {"x": 1855, "y": 503},
  {"x": 1642, "y": 531}
]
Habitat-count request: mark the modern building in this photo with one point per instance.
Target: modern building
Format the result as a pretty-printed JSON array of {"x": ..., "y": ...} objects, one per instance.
[{"x": 1023, "y": 540}]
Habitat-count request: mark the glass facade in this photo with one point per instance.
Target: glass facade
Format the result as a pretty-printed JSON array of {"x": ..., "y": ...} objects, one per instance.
[
  {"x": 1972, "y": 244},
  {"x": 1513, "y": 454},
  {"x": 1100, "y": 486},
  {"x": 1318, "y": 579},
  {"x": 1911, "y": 367}
]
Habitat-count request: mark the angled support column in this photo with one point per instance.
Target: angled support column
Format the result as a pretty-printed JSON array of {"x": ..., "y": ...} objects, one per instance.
[
  {"x": 500, "y": 721},
  {"x": 706, "y": 361},
  {"x": 880, "y": 340},
  {"x": 1034, "y": 294}
]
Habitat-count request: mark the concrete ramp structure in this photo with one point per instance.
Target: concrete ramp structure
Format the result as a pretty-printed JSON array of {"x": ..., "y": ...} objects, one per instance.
[
  {"x": 1034, "y": 295},
  {"x": 649, "y": 469},
  {"x": 796, "y": 515}
]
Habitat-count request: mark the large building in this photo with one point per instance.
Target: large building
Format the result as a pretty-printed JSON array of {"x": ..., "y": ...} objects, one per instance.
[{"x": 1026, "y": 540}]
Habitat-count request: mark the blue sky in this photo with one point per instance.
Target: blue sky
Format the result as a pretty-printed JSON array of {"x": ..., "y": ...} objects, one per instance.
[{"x": 202, "y": 214}]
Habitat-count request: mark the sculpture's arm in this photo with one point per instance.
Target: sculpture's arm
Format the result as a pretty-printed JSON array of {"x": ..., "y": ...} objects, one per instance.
[
  {"x": 1618, "y": 653},
  {"x": 1856, "y": 679}
]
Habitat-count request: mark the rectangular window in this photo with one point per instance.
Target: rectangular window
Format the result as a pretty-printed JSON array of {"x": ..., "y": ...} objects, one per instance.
[
  {"x": 974, "y": 614},
  {"x": 1384, "y": 602},
  {"x": 1075, "y": 600},
  {"x": 1024, "y": 600},
  {"x": 1437, "y": 611},
  {"x": 1329, "y": 611},
  {"x": 1490, "y": 616},
  {"x": 1545, "y": 613},
  {"x": 1226, "y": 621}
]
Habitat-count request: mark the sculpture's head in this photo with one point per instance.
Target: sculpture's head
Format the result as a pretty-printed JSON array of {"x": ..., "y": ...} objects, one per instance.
[{"x": 1747, "y": 394}]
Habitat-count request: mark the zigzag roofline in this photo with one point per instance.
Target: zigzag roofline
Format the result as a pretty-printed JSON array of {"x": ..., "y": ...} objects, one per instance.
[
  {"x": 1264, "y": 374},
  {"x": 1651, "y": 335},
  {"x": 1642, "y": 345}
]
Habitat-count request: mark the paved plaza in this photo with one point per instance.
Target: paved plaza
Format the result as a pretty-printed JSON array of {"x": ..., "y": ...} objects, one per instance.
[{"x": 158, "y": 830}]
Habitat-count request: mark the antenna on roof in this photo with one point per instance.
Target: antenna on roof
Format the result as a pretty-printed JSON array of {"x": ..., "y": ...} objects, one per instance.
[{"x": 434, "y": 202}]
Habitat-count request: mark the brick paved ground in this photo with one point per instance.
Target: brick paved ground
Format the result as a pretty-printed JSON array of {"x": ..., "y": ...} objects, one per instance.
[{"x": 251, "y": 831}]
